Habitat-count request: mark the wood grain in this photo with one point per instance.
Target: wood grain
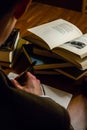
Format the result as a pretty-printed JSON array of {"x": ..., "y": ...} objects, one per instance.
[{"x": 38, "y": 14}]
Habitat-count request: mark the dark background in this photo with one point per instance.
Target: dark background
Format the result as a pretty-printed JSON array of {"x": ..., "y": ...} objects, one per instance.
[{"x": 68, "y": 4}]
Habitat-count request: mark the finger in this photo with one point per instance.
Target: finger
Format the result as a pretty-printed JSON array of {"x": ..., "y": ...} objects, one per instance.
[
  {"x": 30, "y": 75},
  {"x": 17, "y": 85}
]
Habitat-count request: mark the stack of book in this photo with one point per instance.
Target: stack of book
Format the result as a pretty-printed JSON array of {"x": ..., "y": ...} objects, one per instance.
[
  {"x": 44, "y": 64},
  {"x": 10, "y": 49},
  {"x": 62, "y": 47}
]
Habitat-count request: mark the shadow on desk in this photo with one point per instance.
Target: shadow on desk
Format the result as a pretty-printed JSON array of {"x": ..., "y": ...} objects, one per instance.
[{"x": 62, "y": 82}]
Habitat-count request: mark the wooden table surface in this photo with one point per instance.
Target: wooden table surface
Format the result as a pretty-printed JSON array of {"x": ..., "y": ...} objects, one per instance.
[{"x": 38, "y": 14}]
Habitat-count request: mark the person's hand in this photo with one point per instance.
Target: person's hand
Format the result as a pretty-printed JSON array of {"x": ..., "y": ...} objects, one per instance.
[{"x": 31, "y": 85}]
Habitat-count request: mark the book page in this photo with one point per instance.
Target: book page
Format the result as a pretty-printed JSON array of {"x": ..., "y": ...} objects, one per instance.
[
  {"x": 56, "y": 32},
  {"x": 77, "y": 46},
  {"x": 59, "y": 96}
]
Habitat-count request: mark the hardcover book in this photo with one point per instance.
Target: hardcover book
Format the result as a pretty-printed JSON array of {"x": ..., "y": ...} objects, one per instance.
[
  {"x": 63, "y": 38},
  {"x": 42, "y": 62},
  {"x": 16, "y": 54},
  {"x": 72, "y": 72},
  {"x": 7, "y": 49},
  {"x": 46, "y": 72}
]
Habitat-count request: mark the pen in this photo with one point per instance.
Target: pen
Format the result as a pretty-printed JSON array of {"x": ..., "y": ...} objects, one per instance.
[{"x": 22, "y": 78}]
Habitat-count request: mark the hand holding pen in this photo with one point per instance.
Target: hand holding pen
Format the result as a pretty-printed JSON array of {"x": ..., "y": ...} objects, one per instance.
[
  {"x": 28, "y": 82},
  {"x": 23, "y": 77}
]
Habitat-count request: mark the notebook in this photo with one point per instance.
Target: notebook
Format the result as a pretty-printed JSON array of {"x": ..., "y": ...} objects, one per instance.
[{"x": 59, "y": 96}]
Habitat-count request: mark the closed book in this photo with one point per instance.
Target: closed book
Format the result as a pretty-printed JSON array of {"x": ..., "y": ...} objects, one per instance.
[
  {"x": 16, "y": 55},
  {"x": 43, "y": 62},
  {"x": 72, "y": 72},
  {"x": 7, "y": 49},
  {"x": 46, "y": 72},
  {"x": 43, "y": 52}
]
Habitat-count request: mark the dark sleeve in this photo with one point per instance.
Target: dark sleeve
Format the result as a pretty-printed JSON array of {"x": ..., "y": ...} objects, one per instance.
[{"x": 21, "y": 110}]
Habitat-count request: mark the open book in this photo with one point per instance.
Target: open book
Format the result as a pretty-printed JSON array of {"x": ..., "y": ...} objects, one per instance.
[{"x": 62, "y": 38}]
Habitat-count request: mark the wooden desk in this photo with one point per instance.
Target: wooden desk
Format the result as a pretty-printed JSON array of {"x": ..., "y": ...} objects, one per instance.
[{"x": 38, "y": 14}]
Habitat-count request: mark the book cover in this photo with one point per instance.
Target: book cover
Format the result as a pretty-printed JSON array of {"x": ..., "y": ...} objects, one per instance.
[
  {"x": 37, "y": 50},
  {"x": 7, "y": 49},
  {"x": 72, "y": 72},
  {"x": 43, "y": 62},
  {"x": 46, "y": 72},
  {"x": 16, "y": 54}
]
